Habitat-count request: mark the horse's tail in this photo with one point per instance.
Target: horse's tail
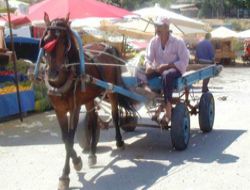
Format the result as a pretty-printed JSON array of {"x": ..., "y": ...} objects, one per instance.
[
  {"x": 124, "y": 101},
  {"x": 127, "y": 103}
]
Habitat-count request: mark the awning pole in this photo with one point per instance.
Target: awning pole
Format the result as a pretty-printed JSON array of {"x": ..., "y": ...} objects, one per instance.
[{"x": 13, "y": 56}]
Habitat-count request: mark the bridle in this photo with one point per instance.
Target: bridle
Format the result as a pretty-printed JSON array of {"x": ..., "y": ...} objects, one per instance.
[
  {"x": 59, "y": 32},
  {"x": 56, "y": 32}
]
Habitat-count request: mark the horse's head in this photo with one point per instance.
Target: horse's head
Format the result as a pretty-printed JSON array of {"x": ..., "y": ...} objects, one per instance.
[{"x": 56, "y": 42}]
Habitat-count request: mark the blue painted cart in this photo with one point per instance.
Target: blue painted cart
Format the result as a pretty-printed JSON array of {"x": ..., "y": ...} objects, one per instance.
[{"x": 180, "y": 121}]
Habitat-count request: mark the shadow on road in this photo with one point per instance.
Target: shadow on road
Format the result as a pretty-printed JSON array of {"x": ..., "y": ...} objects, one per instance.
[
  {"x": 153, "y": 158},
  {"x": 148, "y": 150},
  {"x": 38, "y": 129}
]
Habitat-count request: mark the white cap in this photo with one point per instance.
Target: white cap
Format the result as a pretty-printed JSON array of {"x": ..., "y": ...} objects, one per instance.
[{"x": 161, "y": 20}]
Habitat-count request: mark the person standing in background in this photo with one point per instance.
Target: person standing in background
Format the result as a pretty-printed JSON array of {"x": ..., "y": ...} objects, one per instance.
[{"x": 205, "y": 55}]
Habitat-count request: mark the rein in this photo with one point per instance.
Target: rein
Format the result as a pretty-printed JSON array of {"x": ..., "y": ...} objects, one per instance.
[{"x": 101, "y": 63}]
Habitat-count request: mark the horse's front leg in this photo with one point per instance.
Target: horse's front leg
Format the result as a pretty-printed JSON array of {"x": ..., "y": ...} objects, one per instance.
[
  {"x": 92, "y": 125},
  {"x": 74, "y": 118},
  {"x": 115, "y": 116},
  {"x": 63, "y": 122},
  {"x": 68, "y": 132}
]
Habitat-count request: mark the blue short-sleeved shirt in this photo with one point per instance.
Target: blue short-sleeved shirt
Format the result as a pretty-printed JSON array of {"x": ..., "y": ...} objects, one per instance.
[{"x": 205, "y": 50}]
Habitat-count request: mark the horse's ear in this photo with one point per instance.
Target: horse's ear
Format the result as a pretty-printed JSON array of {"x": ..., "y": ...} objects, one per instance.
[
  {"x": 46, "y": 19},
  {"x": 67, "y": 18}
]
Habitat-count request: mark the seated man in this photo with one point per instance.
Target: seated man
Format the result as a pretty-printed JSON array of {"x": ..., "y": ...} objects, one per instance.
[{"x": 168, "y": 57}]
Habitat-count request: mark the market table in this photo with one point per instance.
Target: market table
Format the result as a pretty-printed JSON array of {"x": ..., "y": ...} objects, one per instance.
[{"x": 9, "y": 104}]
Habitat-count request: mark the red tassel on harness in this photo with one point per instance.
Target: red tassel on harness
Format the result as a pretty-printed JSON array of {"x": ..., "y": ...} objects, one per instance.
[{"x": 50, "y": 45}]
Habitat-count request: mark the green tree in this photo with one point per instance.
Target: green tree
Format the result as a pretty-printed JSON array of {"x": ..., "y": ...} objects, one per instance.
[
  {"x": 205, "y": 9},
  {"x": 219, "y": 8},
  {"x": 137, "y": 4},
  {"x": 163, "y": 3}
]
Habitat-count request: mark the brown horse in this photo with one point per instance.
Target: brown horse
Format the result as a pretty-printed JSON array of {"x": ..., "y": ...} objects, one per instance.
[{"x": 64, "y": 80}]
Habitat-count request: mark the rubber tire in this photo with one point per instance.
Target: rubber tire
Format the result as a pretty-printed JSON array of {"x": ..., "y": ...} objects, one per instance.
[
  {"x": 180, "y": 127},
  {"x": 83, "y": 132},
  {"x": 206, "y": 112},
  {"x": 125, "y": 120}
]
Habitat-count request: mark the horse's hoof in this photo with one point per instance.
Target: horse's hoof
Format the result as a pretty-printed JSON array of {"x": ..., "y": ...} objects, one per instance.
[
  {"x": 63, "y": 183},
  {"x": 92, "y": 160},
  {"x": 120, "y": 145},
  {"x": 77, "y": 163}
]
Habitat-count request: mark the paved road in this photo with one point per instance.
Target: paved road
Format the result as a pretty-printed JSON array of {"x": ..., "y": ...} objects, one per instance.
[{"x": 32, "y": 154}]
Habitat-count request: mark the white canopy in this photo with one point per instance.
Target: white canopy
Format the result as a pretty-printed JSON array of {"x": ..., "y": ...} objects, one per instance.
[
  {"x": 17, "y": 4},
  {"x": 141, "y": 27},
  {"x": 223, "y": 33},
  {"x": 184, "y": 24},
  {"x": 244, "y": 34},
  {"x": 89, "y": 22},
  {"x": 13, "y": 3},
  {"x": 2, "y": 23}
]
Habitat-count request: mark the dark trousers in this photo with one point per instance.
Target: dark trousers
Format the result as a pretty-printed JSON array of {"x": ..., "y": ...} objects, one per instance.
[
  {"x": 205, "y": 81},
  {"x": 168, "y": 79},
  {"x": 168, "y": 82}
]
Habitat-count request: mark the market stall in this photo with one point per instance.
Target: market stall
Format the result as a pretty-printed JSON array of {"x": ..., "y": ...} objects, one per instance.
[
  {"x": 244, "y": 37},
  {"x": 8, "y": 95},
  {"x": 246, "y": 56},
  {"x": 222, "y": 39},
  {"x": 223, "y": 51}
]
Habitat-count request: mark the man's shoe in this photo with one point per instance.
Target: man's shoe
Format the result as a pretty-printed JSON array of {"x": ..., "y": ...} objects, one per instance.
[{"x": 146, "y": 91}]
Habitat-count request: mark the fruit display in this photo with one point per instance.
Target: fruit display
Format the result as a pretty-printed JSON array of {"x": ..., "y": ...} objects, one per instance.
[
  {"x": 41, "y": 99},
  {"x": 12, "y": 89},
  {"x": 42, "y": 105},
  {"x": 7, "y": 86},
  {"x": 8, "y": 89},
  {"x": 5, "y": 73},
  {"x": 21, "y": 66}
]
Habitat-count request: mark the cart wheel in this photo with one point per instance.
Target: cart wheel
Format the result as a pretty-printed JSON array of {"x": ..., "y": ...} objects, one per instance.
[
  {"x": 206, "y": 112},
  {"x": 180, "y": 127},
  {"x": 128, "y": 122},
  {"x": 83, "y": 133}
]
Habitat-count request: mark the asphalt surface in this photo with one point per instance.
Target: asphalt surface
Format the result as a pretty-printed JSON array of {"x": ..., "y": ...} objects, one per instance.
[{"x": 32, "y": 153}]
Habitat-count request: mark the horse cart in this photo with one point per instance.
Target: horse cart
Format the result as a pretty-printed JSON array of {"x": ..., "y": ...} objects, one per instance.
[
  {"x": 75, "y": 76},
  {"x": 184, "y": 103},
  {"x": 182, "y": 109}
]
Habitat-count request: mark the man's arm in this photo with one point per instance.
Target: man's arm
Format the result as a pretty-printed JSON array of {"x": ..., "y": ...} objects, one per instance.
[
  {"x": 183, "y": 57},
  {"x": 163, "y": 67},
  {"x": 149, "y": 58}
]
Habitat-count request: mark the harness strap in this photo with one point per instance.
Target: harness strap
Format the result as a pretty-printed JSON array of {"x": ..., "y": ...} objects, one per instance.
[
  {"x": 81, "y": 54},
  {"x": 61, "y": 90},
  {"x": 56, "y": 28},
  {"x": 93, "y": 59}
]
